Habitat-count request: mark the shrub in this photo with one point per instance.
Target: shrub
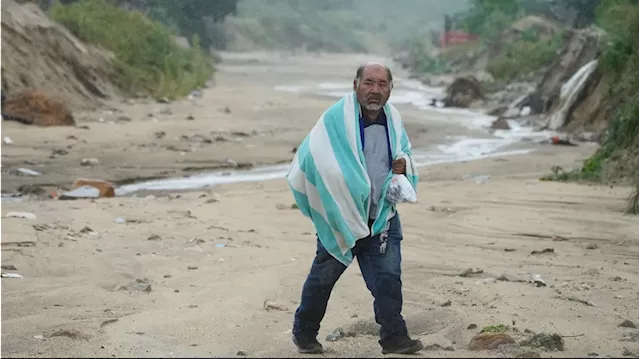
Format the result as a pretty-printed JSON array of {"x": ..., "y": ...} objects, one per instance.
[{"x": 147, "y": 57}]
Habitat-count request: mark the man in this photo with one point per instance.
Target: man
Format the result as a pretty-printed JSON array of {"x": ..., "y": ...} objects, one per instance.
[{"x": 378, "y": 255}]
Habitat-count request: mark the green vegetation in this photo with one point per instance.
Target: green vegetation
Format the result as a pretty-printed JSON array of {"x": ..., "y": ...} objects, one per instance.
[
  {"x": 498, "y": 328},
  {"x": 147, "y": 58},
  {"x": 527, "y": 53},
  {"x": 619, "y": 62}
]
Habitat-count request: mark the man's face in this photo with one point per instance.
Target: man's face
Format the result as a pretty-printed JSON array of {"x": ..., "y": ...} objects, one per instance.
[{"x": 373, "y": 89}]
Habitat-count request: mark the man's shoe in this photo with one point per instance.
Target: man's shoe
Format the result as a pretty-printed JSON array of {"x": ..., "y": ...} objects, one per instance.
[
  {"x": 403, "y": 346},
  {"x": 308, "y": 346}
]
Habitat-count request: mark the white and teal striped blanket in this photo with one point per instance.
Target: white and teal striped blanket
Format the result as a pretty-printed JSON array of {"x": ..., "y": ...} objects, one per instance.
[{"x": 328, "y": 177}]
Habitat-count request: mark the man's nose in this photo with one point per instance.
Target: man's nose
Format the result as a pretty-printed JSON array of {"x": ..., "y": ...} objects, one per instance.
[{"x": 375, "y": 88}]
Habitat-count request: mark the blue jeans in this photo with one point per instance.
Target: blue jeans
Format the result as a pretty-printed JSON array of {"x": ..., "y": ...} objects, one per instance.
[{"x": 381, "y": 273}]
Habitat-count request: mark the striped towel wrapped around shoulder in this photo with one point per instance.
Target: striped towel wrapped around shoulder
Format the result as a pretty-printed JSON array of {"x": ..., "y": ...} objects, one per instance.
[{"x": 329, "y": 180}]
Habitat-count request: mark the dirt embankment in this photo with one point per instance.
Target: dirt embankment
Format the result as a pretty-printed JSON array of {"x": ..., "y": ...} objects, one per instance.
[{"x": 40, "y": 54}]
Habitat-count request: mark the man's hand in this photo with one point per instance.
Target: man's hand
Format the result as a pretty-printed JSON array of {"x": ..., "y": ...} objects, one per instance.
[{"x": 399, "y": 166}]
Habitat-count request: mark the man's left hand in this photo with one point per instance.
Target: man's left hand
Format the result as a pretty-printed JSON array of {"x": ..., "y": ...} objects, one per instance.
[{"x": 399, "y": 166}]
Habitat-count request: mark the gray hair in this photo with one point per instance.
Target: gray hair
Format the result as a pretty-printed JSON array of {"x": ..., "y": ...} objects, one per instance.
[{"x": 360, "y": 72}]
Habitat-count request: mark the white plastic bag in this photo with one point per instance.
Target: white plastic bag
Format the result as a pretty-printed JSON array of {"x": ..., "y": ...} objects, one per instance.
[{"x": 400, "y": 190}]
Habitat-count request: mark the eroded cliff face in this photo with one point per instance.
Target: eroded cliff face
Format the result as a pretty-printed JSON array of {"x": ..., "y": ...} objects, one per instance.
[{"x": 39, "y": 54}]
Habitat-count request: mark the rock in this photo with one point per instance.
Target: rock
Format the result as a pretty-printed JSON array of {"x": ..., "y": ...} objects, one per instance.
[
  {"x": 628, "y": 324},
  {"x": 89, "y": 162},
  {"x": 58, "y": 152},
  {"x": 192, "y": 306},
  {"x": 463, "y": 91},
  {"x": 543, "y": 340},
  {"x": 192, "y": 267},
  {"x": 124, "y": 119},
  {"x": 9, "y": 267},
  {"x": 446, "y": 304},
  {"x": 489, "y": 341},
  {"x": 500, "y": 124},
  {"x": 105, "y": 188},
  {"x": 160, "y": 134},
  {"x": 472, "y": 326},
  {"x": 154, "y": 237},
  {"x": 189, "y": 118},
  {"x": 241, "y": 353},
  {"x": 593, "y": 354},
  {"x": 269, "y": 306},
  {"x": 504, "y": 277},
  {"x": 25, "y": 215},
  {"x": 226, "y": 110},
  {"x": 591, "y": 246},
  {"x": 34, "y": 107},
  {"x": 538, "y": 280}
]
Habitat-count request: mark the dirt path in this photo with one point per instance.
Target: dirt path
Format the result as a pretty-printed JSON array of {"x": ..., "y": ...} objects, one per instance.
[{"x": 189, "y": 274}]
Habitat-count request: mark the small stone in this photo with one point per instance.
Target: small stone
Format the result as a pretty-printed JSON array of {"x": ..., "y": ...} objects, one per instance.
[
  {"x": 193, "y": 306},
  {"x": 89, "y": 162},
  {"x": 192, "y": 267},
  {"x": 593, "y": 354},
  {"x": 9, "y": 267},
  {"x": 472, "y": 326},
  {"x": 591, "y": 246},
  {"x": 489, "y": 341},
  {"x": 628, "y": 324},
  {"x": 167, "y": 276},
  {"x": 38, "y": 336},
  {"x": 269, "y": 306},
  {"x": 241, "y": 353},
  {"x": 189, "y": 118},
  {"x": 335, "y": 335},
  {"x": 446, "y": 304},
  {"x": 124, "y": 119},
  {"x": 154, "y": 237},
  {"x": 176, "y": 290}
]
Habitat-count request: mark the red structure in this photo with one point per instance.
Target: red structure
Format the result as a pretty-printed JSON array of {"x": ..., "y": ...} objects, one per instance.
[{"x": 456, "y": 37}]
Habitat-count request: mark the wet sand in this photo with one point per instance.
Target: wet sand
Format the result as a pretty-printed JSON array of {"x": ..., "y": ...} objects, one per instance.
[{"x": 188, "y": 273}]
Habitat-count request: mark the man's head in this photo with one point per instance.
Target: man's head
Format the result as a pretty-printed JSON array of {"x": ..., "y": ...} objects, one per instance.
[{"x": 373, "y": 84}]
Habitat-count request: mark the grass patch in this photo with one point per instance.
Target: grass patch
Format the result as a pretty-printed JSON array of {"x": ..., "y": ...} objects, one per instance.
[
  {"x": 147, "y": 58},
  {"x": 498, "y": 328},
  {"x": 527, "y": 53}
]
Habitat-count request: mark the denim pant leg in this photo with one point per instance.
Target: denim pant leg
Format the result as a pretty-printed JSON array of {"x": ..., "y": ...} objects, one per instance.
[
  {"x": 325, "y": 272},
  {"x": 381, "y": 272}
]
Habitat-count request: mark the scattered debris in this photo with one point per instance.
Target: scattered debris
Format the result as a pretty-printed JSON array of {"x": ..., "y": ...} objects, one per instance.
[
  {"x": 82, "y": 192},
  {"x": 108, "y": 321},
  {"x": 89, "y": 162},
  {"x": 591, "y": 246},
  {"x": 154, "y": 237},
  {"x": 241, "y": 353},
  {"x": 11, "y": 275},
  {"x": 269, "y": 306},
  {"x": 192, "y": 267},
  {"x": 106, "y": 188},
  {"x": 120, "y": 220},
  {"x": 538, "y": 280},
  {"x": 7, "y": 140},
  {"x": 628, "y": 353},
  {"x": 27, "y": 172},
  {"x": 576, "y": 299},
  {"x": 189, "y": 118},
  {"x": 220, "y": 245},
  {"x": 625, "y": 324},
  {"x": 544, "y": 251},
  {"x": 9, "y": 267},
  {"x": 446, "y": 304},
  {"x": 489, "y": 341},
  {"x": 25, "y": 215},
  {"x": 335, "y": 335},
  {"x": 69, "y": 333},
  {"x": 470, "y": 272},
  {"x": 543, "y": 340}
]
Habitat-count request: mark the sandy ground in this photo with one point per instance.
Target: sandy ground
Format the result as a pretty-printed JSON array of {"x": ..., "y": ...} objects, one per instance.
[{"x": 163, "y": 284}]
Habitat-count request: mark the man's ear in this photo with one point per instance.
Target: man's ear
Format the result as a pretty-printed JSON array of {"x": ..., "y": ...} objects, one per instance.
[{"x": 355, "y": 84}]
